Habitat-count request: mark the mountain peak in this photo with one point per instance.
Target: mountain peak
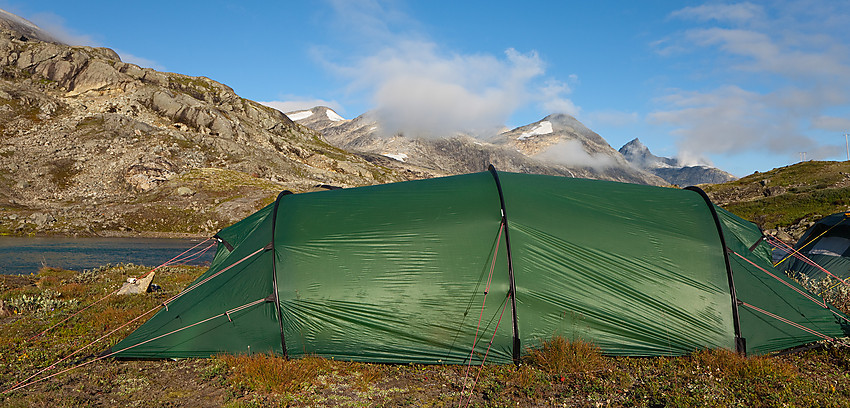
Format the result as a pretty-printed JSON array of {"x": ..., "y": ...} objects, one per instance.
[
  {"x": 25, "y": 28},
  {"x": 671, "y": 169},
  {"x": 634, "y": 145},
  {"x": 318, "y": 113}
]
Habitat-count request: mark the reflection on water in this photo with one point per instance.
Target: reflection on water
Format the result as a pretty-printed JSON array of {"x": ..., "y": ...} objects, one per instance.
[{"x": 20, "y": 255}]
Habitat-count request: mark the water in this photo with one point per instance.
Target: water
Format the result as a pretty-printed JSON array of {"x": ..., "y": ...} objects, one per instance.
[{"x": 19, "y": 256}]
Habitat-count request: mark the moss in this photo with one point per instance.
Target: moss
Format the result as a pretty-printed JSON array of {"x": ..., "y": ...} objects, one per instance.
[
  {"x": 196, "y": 87},
  {"x": 90, "y": 127},
  {"x": 20, "y": 110},
  {"x": 224, "y": 180},
  {"x": 62, "y": 172},
  {"x": 800, "y": 175},
  {"x": 164, "y": 218}
]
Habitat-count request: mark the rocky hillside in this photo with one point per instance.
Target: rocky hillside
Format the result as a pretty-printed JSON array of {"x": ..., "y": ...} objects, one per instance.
[
  {"x": 524, "y": 149},
  {"x": 93, "y": 145},
  {"x": 787, "y": 200},
  {"x": 671, "y": 170}
]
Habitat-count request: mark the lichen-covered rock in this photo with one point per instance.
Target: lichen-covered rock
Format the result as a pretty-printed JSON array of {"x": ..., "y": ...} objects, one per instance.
[{"x": 85, "y": 134}]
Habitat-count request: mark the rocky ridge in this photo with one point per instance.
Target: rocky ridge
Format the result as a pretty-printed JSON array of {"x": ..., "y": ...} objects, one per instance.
[
  {"x": 461, "y": 153},
  {"x": 99, "y": 146},
  {"x": 670, "y": 169}
]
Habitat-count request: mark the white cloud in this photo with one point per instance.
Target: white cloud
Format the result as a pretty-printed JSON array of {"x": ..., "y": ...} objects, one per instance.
[
  {"x": 552, "y": 100},
  {"x": 572, "y": 153},
  {"x": 729, "y": 120},
  {"x": 55, "y": 26},
  {"x": 777, "y": 73},
  {"x": 736, "y": 13},
  {"x": 420, "y": 88},
  {"x": 831, "y": 123},
  {"x": 765, "y": 53},
  {"x": 297, "y": 104}
]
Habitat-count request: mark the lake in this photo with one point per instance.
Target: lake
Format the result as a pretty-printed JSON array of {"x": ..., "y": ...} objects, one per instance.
[{"x": 24, "y": 255}]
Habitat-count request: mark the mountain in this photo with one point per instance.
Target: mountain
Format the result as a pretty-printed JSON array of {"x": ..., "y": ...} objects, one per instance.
[
  {"x": 514, "y": 150},
  {"x": 93, "y": 145},
  {"x": 25, "y": 29},
  {"x": 671, "y": 170}
]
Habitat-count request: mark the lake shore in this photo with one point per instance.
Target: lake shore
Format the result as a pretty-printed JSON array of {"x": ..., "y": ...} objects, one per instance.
[{"x": 25, "y": 255}]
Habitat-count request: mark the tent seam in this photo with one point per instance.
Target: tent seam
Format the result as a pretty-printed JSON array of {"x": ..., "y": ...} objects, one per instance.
[
  {"x": 516, "y": 340},
  {"x": 740, "y": 342},
  {"x": 274, "y": 273}
]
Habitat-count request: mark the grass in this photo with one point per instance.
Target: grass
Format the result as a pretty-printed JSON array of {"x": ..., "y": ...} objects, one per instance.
[
  {"x": 558, "y": 372},
  {"x": 787, "y": 209},
  {"x": 559, "y": 356},
  {"x": 172, "y": 219},
  {"x": 786, "y": 195}
]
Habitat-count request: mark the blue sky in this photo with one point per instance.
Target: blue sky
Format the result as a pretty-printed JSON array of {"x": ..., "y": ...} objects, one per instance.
[{"x": 746, "y": 86}]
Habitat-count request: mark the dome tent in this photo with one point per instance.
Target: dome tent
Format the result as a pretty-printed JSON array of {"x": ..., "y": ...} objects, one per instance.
[
  {"x": 826, "y": 243},
  {"x": 437, "y": 270}
]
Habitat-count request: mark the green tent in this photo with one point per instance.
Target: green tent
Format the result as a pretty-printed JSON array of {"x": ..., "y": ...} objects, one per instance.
[
  {"x": 827, "y": 244},
  {"x": 424, "y": 271}
]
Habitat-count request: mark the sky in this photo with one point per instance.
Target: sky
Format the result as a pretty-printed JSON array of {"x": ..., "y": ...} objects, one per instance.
[{"x": 744, "y": 86}]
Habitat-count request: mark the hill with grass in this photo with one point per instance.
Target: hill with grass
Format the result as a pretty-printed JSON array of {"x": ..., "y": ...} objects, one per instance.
[{"x": 789, "y": 199}]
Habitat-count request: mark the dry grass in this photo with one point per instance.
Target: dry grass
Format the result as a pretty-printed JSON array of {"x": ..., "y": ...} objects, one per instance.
[
  {"x": 559, "y": 372},
  {"x": 263, "y": 372},
  {"x": 559, "y": 356},
  {"x": 745, "y": 368}
]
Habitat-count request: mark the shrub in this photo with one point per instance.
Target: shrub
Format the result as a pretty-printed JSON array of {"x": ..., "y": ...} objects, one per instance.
[
  {"x": 263, "y": 372},
  {"x": 41, "y": 305},
  {"x": 560, "y": 356}
]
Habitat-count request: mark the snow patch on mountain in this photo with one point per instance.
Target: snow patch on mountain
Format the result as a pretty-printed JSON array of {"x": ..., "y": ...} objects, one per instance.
[
  {"x": 542, "y": 128},
  {"x": 333, "y": 116},
  {"x": 300, "y": 115},
  {"x": 397, "y": 156}
]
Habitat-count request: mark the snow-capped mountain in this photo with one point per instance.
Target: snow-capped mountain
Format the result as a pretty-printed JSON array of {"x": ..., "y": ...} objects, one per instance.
[{"x": 557, "y": 145}]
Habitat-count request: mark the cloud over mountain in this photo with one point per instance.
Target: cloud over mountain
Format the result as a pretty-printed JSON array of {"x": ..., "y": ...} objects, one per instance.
[{"x": 421, "y": 87}]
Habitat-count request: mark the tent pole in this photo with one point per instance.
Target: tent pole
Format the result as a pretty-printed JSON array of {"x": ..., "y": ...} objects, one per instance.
[
  {"x": 274, "y": 273},
  {"x": 740, "y": 342},
  {"x": 516, "y": 341}
]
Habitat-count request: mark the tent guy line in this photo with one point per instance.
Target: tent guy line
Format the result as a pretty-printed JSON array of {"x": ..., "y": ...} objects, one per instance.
[{"x": 357, "y": 267}]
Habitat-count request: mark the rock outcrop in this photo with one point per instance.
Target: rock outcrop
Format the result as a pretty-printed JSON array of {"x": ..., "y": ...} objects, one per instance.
[
  {"x": 670, "y": 169},
  {"x": 101, "y": 145}
]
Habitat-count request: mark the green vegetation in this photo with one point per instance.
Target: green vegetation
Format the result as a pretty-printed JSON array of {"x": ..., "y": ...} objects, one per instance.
[
  {"x": 560, "y": 372},
  {"x": 223, "y": 180},
  {"x": 90, "y": 127},
  {"x": 787, "y": 209},
  {"x": 805, "y": 174},
  {"x": 195, "y": 87},
  {"x": 20, "y": 110},
  {"x": 784, "y": 196},
  {"x": 171, "y": 219},
  {"x": 62, "y": 172}
]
